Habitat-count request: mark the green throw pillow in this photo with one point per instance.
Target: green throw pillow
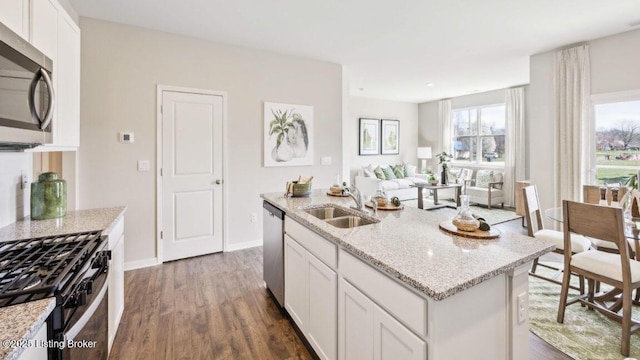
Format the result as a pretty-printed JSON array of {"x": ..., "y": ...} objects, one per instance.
[
  {"x": 379, "y": 173},
  {"x": 398, "y": 171},
  {"x": 388, "y": 173}
]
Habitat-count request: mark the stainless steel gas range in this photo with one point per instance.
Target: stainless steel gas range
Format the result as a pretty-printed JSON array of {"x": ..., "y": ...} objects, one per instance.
[{"x": 73, "y": 268}]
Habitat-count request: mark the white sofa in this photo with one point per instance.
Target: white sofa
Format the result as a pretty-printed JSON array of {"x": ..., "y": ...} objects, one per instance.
[{"x": 401, "y": 188}]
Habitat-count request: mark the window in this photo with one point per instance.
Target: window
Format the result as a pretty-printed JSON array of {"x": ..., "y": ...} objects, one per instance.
[
  {"x": 617, "y": 144},
  {"x": 479, "y": 134}
]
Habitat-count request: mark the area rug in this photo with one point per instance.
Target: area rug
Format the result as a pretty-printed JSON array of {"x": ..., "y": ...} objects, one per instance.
[
  {"x": 584, "y": 334},
  {"x": 492, "y": 216}
]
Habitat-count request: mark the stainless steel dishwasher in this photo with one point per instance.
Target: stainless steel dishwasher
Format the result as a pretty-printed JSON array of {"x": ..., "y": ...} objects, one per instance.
[{"x": 273, "y": 250}]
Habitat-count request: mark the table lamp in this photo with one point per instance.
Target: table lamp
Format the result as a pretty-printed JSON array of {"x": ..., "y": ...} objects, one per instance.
[{"x": 424, "y": 153}]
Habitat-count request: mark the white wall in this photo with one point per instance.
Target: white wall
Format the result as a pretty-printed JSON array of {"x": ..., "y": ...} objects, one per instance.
[
  {"x": 14, "y": 201},
  {"x": 121, "y": 66},
  {"x": 406, "y": 113},
  {"x": 614, "y": 67}
]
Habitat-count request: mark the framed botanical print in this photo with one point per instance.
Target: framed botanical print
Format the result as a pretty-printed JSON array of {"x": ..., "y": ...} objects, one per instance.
[
  {"x": 390, "y": 137},
  {"x": 369, "y": 137}
]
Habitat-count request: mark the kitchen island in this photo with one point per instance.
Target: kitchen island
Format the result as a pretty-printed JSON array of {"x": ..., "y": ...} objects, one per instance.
[{"x": 448, "y": 296}]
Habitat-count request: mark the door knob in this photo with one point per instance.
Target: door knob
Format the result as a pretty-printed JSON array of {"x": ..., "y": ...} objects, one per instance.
[{"x": 218, "y": 182}]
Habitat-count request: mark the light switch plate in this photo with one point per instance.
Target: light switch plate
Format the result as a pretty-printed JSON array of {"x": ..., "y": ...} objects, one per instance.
[
  {"x": 144, "y": 165},
  {"x": 325, "y": 160}
]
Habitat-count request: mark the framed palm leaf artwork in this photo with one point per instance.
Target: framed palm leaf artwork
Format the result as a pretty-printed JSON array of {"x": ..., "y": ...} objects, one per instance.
[
  {"x": 288, "y": 137},
  {"x": 390, "y": 137},
  {"x": 369, "y": 136}
]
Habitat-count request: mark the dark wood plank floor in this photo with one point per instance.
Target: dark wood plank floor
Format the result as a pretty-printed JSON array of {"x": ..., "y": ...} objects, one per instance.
[{"x": 214, "y": 307}]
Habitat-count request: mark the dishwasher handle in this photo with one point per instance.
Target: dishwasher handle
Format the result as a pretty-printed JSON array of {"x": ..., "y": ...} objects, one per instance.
[{"x": 273, "y": 210}]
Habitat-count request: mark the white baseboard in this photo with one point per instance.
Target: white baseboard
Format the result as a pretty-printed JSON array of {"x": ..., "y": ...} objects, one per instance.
[
  {"x": 139, "y": 264},
  {"x": 244, "y": 245}
]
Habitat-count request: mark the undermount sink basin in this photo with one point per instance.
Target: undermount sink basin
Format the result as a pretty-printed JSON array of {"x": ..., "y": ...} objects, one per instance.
[
  {"x": 324, "y": 213},
  {"x": 349, "y": 221},
  {"x": 339, "y": 217}
]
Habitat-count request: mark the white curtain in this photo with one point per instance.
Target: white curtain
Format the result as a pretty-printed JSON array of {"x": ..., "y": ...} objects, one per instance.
[
  {"x": 573, "y": 133},
  {"x": 514, "y": 142},
  {"x": 445, "y": 115}
]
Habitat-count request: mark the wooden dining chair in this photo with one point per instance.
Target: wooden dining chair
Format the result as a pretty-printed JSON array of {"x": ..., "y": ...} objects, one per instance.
[
  {"x": 618, "y": 270},
  {"x": 535, "y": 228}
]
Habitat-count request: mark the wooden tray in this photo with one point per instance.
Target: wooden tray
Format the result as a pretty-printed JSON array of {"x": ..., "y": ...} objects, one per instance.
[
  {"x": 389, "y": 206},
  {"x": 338, "y": 194},
  {"x": 448, "y": 227}
]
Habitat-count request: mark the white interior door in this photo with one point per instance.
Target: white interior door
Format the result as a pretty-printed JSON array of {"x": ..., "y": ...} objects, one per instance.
[{"x": 191, "y": 174}]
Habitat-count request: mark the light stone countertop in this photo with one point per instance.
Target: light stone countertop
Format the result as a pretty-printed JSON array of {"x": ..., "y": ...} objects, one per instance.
[
  {"x": 408, "y": 245},
  {"x": 22, "y": 322},
  {"x": 73, "y": 222}
]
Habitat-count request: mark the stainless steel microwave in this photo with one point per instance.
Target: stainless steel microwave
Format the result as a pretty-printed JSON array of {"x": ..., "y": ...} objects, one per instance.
[{"x": 26, "y": 93}]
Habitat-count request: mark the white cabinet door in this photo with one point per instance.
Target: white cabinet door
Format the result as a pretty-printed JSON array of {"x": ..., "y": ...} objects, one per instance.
[
  {"x": 15, "y": 15},
  {"x": 322, "y": 302},
  {"x": 116, "y": 289},
  {"x": 66, "y": 125},
  {"x": 44, "y": 28},
  {"x": 295, "y": 288},
  {"x": 391, "y": 340},
  {"x": 355, "y": 323},
  {"x": 116, "y": 279}
]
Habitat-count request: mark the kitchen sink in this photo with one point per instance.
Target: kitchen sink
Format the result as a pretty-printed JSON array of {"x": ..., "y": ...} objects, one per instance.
[
  {"x": 339, "y": 217},
  {"x": 350, "y": 221},
  {"x": 327, "y": 212}
]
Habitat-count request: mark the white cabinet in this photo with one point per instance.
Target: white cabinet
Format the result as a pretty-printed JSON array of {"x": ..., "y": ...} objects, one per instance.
[
  {"x": 44, "y": 27},
  {"x": 15, "y": 15},
  {"x": 311, "y": 287},
  {"x": 66, "y": 124},
  {"x": 355, "y": 323},
  {"x": 116, "y": 278},
  {"x": 295, "y": 290},
  {"x": 366, "y": 331}
]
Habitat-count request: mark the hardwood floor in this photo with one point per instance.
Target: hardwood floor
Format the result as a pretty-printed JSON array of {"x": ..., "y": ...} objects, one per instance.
[
  {"x": 215, "y": 307},
  {"x": 208, "y": 307}
]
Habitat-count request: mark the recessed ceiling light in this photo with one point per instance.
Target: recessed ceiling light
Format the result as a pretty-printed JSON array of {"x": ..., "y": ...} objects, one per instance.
[
  {"x": 429, "y": 84},
  {"x": 361, "y": 89}
]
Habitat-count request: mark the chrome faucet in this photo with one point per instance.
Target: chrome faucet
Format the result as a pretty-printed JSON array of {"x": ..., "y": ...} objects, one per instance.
[{"x": 355, "y": 194}]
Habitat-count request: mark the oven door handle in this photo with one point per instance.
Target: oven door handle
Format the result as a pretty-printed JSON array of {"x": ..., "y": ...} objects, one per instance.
[{"x": 70, "y": 334}]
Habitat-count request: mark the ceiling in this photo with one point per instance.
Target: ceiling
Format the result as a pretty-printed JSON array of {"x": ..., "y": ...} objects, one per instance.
[{"x": 390, "y": 49}]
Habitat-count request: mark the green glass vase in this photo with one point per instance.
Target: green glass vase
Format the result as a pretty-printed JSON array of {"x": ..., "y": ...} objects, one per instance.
[{"x": 48, "y": 197}]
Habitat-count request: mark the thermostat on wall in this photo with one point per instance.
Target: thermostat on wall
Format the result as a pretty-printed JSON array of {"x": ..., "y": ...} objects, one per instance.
[{"x": 126, "y": 137}]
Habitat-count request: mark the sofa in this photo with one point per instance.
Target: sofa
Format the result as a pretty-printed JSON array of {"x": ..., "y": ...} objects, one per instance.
[{"x": 394, "y": 183}]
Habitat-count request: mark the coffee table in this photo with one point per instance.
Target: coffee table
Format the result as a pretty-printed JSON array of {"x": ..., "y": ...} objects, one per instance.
[{"x": 435, "y": 188}]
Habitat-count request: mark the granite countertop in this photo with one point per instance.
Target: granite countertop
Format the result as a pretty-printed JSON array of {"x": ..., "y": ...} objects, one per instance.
[
  {"x": 22, "y": 322},
  {"x": 409, "y": 246},
  {"x": 73, "y": 222}
]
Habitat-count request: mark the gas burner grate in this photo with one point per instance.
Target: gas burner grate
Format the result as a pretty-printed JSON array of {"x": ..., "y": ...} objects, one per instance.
[{"x": 33, "y": 269}]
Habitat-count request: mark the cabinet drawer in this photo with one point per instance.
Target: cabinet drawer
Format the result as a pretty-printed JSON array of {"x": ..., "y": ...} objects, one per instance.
[
  {"x": 321, "y": 248},
  {"x": 402, "y": 303}
]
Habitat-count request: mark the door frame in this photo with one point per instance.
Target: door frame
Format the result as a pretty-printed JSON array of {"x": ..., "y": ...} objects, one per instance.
[{"x": 225, "y": 225}]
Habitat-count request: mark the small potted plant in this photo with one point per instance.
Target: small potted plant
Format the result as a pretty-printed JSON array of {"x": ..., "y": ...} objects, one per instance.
[
  {"x": 432, "y": 180},
  {"x": 443, "y": 159}
]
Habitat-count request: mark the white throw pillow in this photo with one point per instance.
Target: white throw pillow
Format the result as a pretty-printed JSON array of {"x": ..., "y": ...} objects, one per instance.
[
  {"x": 411, "y": 170},
  {"x": 368, "y": 171}
]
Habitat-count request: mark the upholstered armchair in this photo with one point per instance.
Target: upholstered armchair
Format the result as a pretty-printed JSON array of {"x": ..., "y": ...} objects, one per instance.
[{"x": 487, "y": 188}]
